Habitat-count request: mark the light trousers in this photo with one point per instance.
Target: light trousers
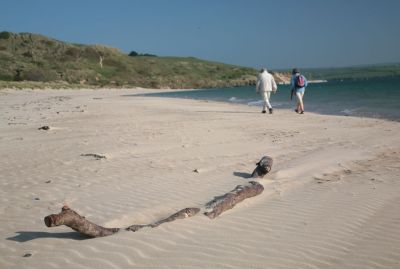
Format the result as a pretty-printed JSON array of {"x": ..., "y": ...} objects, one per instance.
[
  {"x": 266, "y": 96},
  {"x": 299, "y": 96}
]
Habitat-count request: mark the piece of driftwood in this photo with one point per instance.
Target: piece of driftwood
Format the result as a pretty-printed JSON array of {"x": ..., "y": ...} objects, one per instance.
[
  {"x": 213, "y": 208},
  {"x": 137, "y": 227},
  {"x": 181, "y": 214},
  {"x": 96, "y": 156},
  {"x": 78, "y": 223},
  {"x": 227, "y": 201},
  {"x": 44, "y": 128},
  {"x": 263, "y": 167},
  {"x": 70, "y": 218}
]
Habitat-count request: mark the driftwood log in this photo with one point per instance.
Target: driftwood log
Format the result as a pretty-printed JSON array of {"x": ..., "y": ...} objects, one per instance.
[
  {"x": 96, "y": 156},
  {"x": 263, "y": 167},
  {"x": 227, "y": 201},
  {"x": 70, "y": 218},
  {"x": 213, "y": 208},
  {"x": 184, "y": 213},
  {"x": 44, "y": 128}
]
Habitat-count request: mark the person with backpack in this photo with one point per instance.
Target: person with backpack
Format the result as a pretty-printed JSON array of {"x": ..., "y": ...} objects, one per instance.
[
  {"x": 265, "y": 85},
  {"x": 298, "y": 84}
]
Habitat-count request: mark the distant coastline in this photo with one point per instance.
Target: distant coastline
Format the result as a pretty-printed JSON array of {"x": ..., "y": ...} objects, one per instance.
[{"x": 309, "y": 81}]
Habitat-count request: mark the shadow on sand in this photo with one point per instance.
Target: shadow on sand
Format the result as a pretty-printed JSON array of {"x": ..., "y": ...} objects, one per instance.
[
  {"x": 241, "y": 174},
  {"x": 234, "y": 112},
  {"x": 28, "y": 236}
]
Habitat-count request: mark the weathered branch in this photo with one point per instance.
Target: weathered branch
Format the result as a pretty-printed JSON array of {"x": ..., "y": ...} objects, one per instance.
[
  {"x": 213, "y": 208},
  {"x": 184, "y": 213},
  {"x": 78, "y": 223},
  {"x": 96, "y": 156},
  {"x": 227, "y": 201}
]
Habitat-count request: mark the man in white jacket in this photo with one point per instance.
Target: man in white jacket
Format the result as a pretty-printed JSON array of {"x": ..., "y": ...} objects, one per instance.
[{"x": 265, "y": 85}]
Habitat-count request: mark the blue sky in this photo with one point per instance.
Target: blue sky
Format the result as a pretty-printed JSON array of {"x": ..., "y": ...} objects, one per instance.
[{"x": 255, "y": 33}]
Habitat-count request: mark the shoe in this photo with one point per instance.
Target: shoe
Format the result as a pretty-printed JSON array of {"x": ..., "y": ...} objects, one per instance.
[
  {"x": 263, "y": 111},
  {"x": 296, "y": 110},
  {"x": 302, "y": 112},
  {"x": 270, "y": 111}
]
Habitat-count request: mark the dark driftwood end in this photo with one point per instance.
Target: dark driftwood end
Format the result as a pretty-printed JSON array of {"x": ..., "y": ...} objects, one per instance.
[
  {"x": 70, "y": 218},
  {"x": 44, "y": 128},
  {"x": 48, "y": 221},
  {"x": 263, "y": 167}
]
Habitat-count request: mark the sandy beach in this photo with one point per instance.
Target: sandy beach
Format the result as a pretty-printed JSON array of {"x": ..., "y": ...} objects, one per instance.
[{"x": 332, "y": 199}]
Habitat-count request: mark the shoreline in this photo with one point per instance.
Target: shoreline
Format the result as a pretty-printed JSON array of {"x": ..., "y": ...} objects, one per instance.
[
  {"x": 316, "y": 81},
  {"x": 331, "y": 199},
  {"x": 217, "y": 95}
]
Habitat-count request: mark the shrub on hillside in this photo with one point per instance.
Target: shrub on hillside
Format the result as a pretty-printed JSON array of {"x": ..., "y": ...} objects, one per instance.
[
  {"x": 73, "y": 52},
  {"x": 6, "y": 74},
  {"x": 133, "y": 53},
  {"x": 49, "y": 43},
  {"x": 38, "y": 74},
  {"x": 91, "y": 53},
  {"x": 149, "y": 55},
  {"x": 5, "y": 35},
  {"x": 79, "y": 75}
]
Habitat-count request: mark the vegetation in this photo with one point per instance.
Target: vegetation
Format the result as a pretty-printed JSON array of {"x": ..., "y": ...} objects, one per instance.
[
  {"x": 31, "y": 59},
  {"x": 35, "y": 61},
  {"x": 134, "y": 54}
]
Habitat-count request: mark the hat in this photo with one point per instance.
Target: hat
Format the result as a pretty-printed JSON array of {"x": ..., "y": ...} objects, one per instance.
[{"x": 295, "y": 71}]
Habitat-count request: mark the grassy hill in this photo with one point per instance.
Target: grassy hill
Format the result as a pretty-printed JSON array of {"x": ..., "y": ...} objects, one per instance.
[{"x": 36, "y": 61}]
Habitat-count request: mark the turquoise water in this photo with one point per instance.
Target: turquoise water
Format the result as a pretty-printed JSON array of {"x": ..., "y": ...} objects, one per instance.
[{"x": 376, "y": 98}]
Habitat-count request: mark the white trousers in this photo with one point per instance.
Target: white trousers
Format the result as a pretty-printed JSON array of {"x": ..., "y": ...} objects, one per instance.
[
  {"x": 299, "y": 96},
  {"x": 266, "y": 96}
]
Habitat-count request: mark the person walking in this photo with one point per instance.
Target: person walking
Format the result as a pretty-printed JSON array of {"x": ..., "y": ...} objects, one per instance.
[
  {"x": 298, "y": 84},
  {"x": 265, "y": 85}
]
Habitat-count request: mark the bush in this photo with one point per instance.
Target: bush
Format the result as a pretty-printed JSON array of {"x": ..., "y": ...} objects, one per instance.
[
  {"x": 73, "y": 52},
  {"x": 49, "y": 43},
  {"x": 90, "y": 53},
  {"x": 149, "y": 55},
  {"x": 38, "y": 74},
  {"x": 6, "y": 77},
  {"x": 5, "y": 35},
  {"x": 27, "y": 54},
  {"x": 133, "y": 53}
]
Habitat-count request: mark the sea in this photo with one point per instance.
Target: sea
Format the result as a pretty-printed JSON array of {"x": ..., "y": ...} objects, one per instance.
[{"x": 373, "y": 98}]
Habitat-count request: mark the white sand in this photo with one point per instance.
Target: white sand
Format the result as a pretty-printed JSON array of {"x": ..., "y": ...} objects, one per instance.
[{"x": 332, "y": 199}]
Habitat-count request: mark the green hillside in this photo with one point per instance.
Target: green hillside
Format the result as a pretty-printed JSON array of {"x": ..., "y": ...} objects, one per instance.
[
  {"x": 31, "y": 60},
  {"x": 35, "y": 61}
]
